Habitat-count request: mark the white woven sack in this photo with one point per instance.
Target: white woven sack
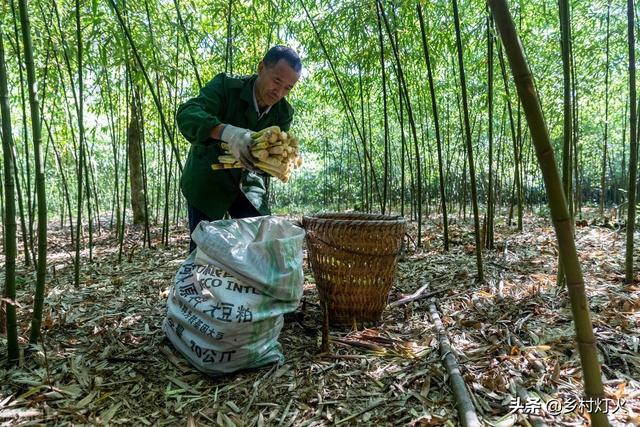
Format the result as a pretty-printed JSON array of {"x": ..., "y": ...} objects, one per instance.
[{"x": 224, "y": 312}]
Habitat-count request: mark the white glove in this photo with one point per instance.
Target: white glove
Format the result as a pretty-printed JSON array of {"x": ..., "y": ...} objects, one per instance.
[{"x": 240, "y": 142}]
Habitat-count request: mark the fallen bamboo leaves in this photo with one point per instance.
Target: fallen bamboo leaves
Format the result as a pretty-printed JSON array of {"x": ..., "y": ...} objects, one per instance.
[{"x": 106, "y": 358}]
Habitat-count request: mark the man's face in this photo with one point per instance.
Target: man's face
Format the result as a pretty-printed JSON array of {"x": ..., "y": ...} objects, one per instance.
[{"x": 274, "y": 82}]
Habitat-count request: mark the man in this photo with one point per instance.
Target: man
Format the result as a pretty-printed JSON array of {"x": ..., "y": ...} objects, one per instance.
[{"x": 228, "y": 109}]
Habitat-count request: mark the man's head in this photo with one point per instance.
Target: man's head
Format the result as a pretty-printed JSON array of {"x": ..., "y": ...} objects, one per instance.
[{"x": 278, "y": 72}]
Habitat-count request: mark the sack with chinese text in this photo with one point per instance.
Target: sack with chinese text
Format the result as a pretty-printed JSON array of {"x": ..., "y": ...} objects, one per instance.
[{"x": 225, "y": 309}]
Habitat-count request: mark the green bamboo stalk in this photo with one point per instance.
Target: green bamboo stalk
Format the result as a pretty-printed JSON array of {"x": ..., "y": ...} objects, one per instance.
[
  {"x": 577, "y": 201},
  {"x": 87, "y": 189},
  {"x": 623, "y": 168},
  {"x": 472, "y": 171},
  {"x": 228, "y": 55},
  {"x": 633, "y": 147},
  {"x": 21, "y": 209},
  {"x": 126, "y": 168},
  {"x": 514, "y": 140},
  {"x": 169, "y": 167},
  {"x": 385, "y": 185},
  {"x": 41, "y": 199},
  {"x": 567, "y": 114},
  {"x": 365, "y": 182},
  {"x": 345, "y": 100},
  {"x": 27, "y": 239},
  {"x": 490, "y": 202},
  {"x": 155, "y": 96},
  {"x": 65, "y": 185},
  {"x": 80, "y": 112},
  {"x": 436, "y": 123},
  {"x": 404, "y": 90},
  {"x": 9, "y": 219},
  {"x": 603, "y": 179},
  {"x": 161, "y": 139},
  {"x": 186, "y": 39},
  {"x": 113, "y": 136},
  {"x": 403, "y": 151},
  {"x": 585, "y": 338}
]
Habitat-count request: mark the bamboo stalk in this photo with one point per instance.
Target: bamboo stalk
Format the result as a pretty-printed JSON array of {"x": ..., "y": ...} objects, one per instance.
[
  {"x": 27, "y": 243},
  {"x": 633, "y": 147},
  {"x": 345, "y": 100},
  {"x": 387, "y": 157},
  {"x": 27, "y": 238},
  {"x": 467, "y": 126},
  {"x": 466, "y": 411},
  {"x": 404, "y": 90},
  {"x": 115, "y": 206},
  {"x": 9, "y": 219},
  {"x": 557, "y": 204},
  {"x": 154, "y": 95},
  {"x": 490, "y": 202},
  {"x": 186, "y": 39},
  {"x": 228, "y": 55},
  {"x": 65, "y": 185},
  {"x": 514, "y": 141},
  {"x": 522, "y": 393},
  {"x": 567, "y": 115},
  {"x": 436, "y": 124},
  {"x": 565, "y": 30},
  {"x": 41, "y": 263},
  {"x": 80, "y": 113},
  {"x": 126, "y": 174}
]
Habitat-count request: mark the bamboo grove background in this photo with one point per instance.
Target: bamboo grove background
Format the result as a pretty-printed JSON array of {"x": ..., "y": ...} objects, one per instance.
[{"x": 110, "y": 75}]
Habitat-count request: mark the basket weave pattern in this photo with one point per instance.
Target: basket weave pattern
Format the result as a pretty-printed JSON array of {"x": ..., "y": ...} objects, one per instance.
[{"x": 353, "y": 257}]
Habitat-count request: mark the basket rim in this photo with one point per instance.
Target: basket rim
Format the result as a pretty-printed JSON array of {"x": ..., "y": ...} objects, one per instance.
[{"x": 361, "y": 219}]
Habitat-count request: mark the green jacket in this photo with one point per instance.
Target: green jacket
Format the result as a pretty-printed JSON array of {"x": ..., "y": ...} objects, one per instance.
[{"x": 229, "y": 100}]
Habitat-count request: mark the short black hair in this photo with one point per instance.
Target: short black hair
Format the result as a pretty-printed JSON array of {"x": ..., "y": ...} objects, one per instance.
[{"x": 279, "y": 52}]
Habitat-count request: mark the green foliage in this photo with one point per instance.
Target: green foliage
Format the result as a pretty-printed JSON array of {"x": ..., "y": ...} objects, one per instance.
[{"x": 332, "y": 177}]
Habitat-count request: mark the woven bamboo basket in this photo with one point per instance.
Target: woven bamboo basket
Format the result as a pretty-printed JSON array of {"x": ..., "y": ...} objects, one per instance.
[{"x": 353, "y": 257}]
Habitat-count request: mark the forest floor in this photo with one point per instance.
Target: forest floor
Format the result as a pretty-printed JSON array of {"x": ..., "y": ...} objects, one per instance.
[{"x": 105, "y": 360}]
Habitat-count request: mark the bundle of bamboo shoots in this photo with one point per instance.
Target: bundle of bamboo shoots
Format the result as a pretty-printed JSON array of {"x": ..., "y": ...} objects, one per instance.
[{"x": 276, "y": 153}]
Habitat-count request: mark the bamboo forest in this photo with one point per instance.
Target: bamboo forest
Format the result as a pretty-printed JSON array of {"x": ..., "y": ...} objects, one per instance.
[{"x": 319, "y": 213}]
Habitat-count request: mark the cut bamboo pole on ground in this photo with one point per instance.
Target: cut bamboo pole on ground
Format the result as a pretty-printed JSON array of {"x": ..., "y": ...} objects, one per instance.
[
  {"x": 558, "y": 206},
  {"x": 522, "y": 393},
  {"x": 466, "y": 410}
]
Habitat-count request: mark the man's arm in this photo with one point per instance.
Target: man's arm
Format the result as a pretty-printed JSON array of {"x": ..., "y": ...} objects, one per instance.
[{"x": 198, "y": 118}]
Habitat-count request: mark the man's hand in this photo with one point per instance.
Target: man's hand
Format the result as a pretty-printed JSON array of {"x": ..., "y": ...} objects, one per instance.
[{"x": 240, "y": 142}]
